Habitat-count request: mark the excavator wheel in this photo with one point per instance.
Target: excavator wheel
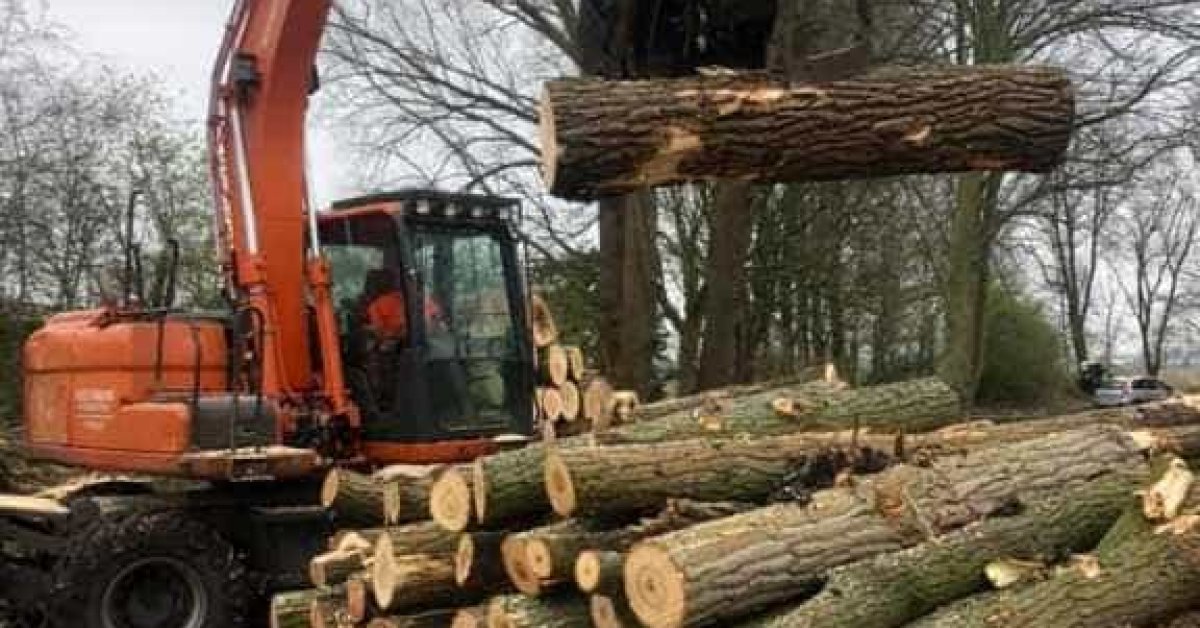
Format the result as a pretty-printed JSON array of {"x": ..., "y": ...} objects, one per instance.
[{"x": 157, "y": 569}]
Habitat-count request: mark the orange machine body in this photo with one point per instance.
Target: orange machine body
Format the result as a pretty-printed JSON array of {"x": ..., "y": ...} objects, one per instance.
[{"x": 99, "y": 392}]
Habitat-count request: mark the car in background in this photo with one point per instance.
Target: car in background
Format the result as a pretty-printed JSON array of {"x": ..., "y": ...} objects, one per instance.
[{"x": 1123, "y": 391}]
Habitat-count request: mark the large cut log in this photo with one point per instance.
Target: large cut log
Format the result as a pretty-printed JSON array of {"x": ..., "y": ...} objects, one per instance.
[
  {"x": 508, "y": 487},
  {"x": 597, "y": 395},
  {"x": 425, "y": 537},
  {"x": 611, "y": 137},
  {"x": 414, "y": 581},
  {"x": 599, "y": 571},
  {"x": 519, "y": 611},
  {"x": 578, "y": 370},
  {"x": 787, "y": 386},
  {"x": 405, "y": 490},
  {"x": 1142, "y": 573},
  {"x": 356, "y": 499},
  {"x": 728, "y": 568},
  {"x": 895, "y": 588},
  {"x": 451, "y": 500},
  {"x": 597, "y": 481},
  {"x": 914, "y": 406}
]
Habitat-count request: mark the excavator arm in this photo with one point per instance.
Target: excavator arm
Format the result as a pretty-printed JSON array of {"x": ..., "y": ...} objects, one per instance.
[{"x": 261, "y": 81}]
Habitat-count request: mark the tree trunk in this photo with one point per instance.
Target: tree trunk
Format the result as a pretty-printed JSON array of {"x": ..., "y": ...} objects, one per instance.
[
  {"x": 1145, "y": 575},
  {"x": 628, "y": 271},
  {"x": 896, "y": 588},
  {"x": 789, "y": 386},
  {"x": 507, "y": 487},
  {"x": 597, "y": 395},
  {"x": 406, "y": 490},
  {"x": 519, "y": 611},
  {"x": 599, "y": 571},
  {"x": 608, "y": 481},
  {"x": 725, "y": 281},
  {"x": 724, "y": 569},
  {"x": 603, "y": 137},
  {"x": 323, "y": 614},
  {"x": 425, "y": 537},
  {"x": 578, "y": 366},
  {"x": 356, "y": 499}
]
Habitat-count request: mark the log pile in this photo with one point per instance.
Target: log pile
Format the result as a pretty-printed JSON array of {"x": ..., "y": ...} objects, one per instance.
[{"x": 812, "y": 505}]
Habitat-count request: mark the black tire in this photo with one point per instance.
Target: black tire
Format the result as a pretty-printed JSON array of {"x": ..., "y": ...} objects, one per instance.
[{"x": 157, "y": 569}]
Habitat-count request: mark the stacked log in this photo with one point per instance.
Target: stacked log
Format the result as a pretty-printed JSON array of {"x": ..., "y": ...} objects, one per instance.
[{"x": 811, "y": 505}]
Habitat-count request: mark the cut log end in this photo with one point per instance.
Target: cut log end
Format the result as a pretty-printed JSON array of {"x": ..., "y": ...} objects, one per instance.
[
  {"x": 383, "y": 571},
  {"x": 392, "y": 503},
  {"x": 450, "y": 500},
  {"x": 464, "y": 559},
  {"x": 358, "y": 596},
  {"x": 479, "y": 490},
  {"x": 588, "y": 569},
  {"x": 569, "y": 393},
  {"x": 329, "y": 488},
  {"x": 539, "y": 557},
  {"x": 545, "y": 331},
  {"x": 1163, "y": 500},
  {"x": 559, "y": 487},
  {"x": 516, "y": 565},
  {"x": 655, "y": 586},
  {"x": 548, "y": 137}
]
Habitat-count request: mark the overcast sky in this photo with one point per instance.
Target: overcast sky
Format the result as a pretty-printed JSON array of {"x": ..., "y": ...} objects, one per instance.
[{"x": 175, "y": 40}]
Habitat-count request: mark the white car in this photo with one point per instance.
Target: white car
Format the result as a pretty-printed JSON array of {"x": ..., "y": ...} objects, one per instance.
[{"x": 1121, "y": 391}]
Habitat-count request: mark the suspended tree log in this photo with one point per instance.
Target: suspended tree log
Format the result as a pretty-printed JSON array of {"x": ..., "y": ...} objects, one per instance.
[
  {"x": 331, "y": 568},
  {"x": 896, "y": 588},
  {"x": 596, "y": 481},
  {"x": 291, "y": 609},
  {"x": 479, "y": 563},
  {"x": 597, "y": 395},
  {"x": 1142, "y": 573},
  {"x": 439, "y": 618},
  {"x": 450, "y": 499},
  {"x": 578, "y": 368},
  {"x": 611, "y": 611},
  {"x": 545, "y": 332},
  {"x": 356, "y": 499},
  {"x": 571, "y": 402},
  {"x": 724, "y": 569},
  {"x": 599, "y": 571},
  {"x": 555, "y": 368},
  {"x": 519, "y": 611},
  {"x": 612, "y": 137}
]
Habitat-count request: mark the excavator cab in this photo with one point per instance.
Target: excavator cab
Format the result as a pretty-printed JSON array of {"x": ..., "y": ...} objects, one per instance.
[{"x": 431, "y": 306}]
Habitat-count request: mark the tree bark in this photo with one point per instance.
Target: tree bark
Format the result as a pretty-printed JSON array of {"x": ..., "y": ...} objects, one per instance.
[
  {"x": 507, "y": 487},
  {"x": 1146, "y": 574},
  {"x": 599, "y": 571},
  {"x": 470, "y": 617},
  {"x": 554, "y": 366},
  {"x": 896, "y": 588},
  {"x": 331, "y": 568},
  {"x": 414, "y": 580},
  {"x": 608, "y": 481},
  {"x": 519, "y": 611},
  {"x": 628, "y": 272},
  {"x": 425, "y": 537},
  {"x": 356, "y": 499},
  {"x": 725, "y": 281},
  {"x": 731, "y": 567},
  {"x": 406, "y": 491},
  {"x": 478, "y": 563},
  {"x": 604, "y": 137}
]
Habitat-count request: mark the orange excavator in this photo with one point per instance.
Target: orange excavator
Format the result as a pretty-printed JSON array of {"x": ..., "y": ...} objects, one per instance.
[{"x": 388, "y": 329}]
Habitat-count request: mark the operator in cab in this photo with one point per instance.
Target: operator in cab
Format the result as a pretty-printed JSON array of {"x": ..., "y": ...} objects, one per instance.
[{"x": 385, "y": 312}]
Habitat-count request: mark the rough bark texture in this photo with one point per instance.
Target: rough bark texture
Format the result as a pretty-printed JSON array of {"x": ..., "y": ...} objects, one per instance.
[
  {"x": 405, "y": 494},
  {"x": 913, "y": 406},
  {"x": 519, "y": 611},
  {"x": 356, "y": 499},
  {"x": 728, "y": 568},
  {"x": 896, "y": 588},
  {"x": 640, "y": 477},
  {"x": 1146, "y": 575},
  {"x": 796, "y": 387},
  {"x": 471, "y": 617},
  {"x": 425, "y": 537},
  {"x": 413, "y": 581},
  {"x": 605, "y": 137},
  {"x": 507, "y": 487},
  {"x": 725, "y": 293}
]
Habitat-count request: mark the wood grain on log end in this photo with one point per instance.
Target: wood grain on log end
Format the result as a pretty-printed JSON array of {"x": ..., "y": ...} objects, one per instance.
[
  {"x": 539, "y": 558},
  {"x": 464, "y": 559},
  {"x": 545, "y": 331},
  {"x": 516, "y": 565},
  {"x": 594, "y": 567},
  {"x": 569, "y": 393},
  {"x": 559, "y": 487},
  {"x": 479, "y": 490},
  {"x": 450, "y": 500},
  {"x": 358, "y": 598},
  {"x": 383, "y": 571},
  {"x": 1162, "y": 500},
  {"x": 392, "y": 503},
  {"x": 655, "y": 586},
  {"x": 597, "y": 397},
  {"x": 604, "y": 612}
]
